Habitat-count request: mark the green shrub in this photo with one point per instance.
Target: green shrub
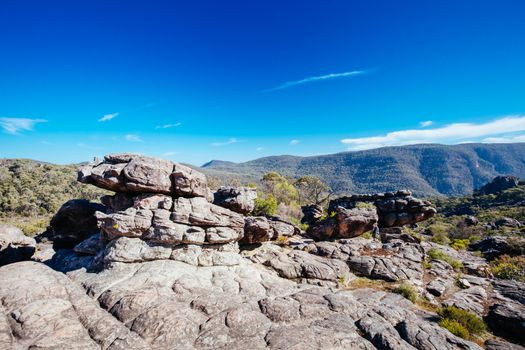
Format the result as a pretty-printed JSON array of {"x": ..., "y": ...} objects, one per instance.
[
  {"x": 265, "y": 206},
  {"x": 455, "y": 328},
  {"x": 510, "y": 268},
  {"x": 460, "y": 244},
  {"x": 367, "y": 235},
  {"x": 408, "y": 291},
  {"x": 439, "y": 232},
  {"x": 437, "y": 254},
  {"x": 365, "y": 205},
  {"x": 457, "y": 321}
]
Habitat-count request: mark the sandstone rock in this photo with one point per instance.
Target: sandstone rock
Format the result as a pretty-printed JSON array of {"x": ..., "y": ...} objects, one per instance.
[
  {"x": 500, "y": 344},
  {"x": 347, "y": 223},
  {"x": 494, "y": 246},
  {"x": 257, "y": 229},
  {"x": 506, "y": 318},
  {"x": 472, "y": 299},
  {"x": 14, "y": 245},
  {"x": 90, "y": 246},
  {"x": 509, "y": 222},
  {"x": 134, "y": 173},
  {"x": 197, "y": 211},
  {"x": 514, "y": 290},
  {"x": 238, "y": 199},
  {"x": 42, "y": 308},
  {"x": 74, "y": 222},
  {"x": 311, "y": 213}
]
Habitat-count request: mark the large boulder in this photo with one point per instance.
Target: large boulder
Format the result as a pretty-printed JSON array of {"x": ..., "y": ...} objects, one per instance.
[
  {"x": 494, "y": 246},
  {"x": 346, "y": 223},
  {"x": 74, "y": 222},
  {"x": 499, "y": 184},
  {"x": 14, "y": 245},
  {"x": 238, "y": 199},
  {"x": 135, "y": 173}
]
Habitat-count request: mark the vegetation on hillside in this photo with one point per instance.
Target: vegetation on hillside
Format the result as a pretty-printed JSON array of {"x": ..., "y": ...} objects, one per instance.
[
  {"x": 426, "y": 170},
  {"x": 31, "y": 192}
]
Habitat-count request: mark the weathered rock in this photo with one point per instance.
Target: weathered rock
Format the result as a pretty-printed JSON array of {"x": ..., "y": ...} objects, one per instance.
[
  {"x": 311, "y": 213},
  {"x": 346, "y": 223},
  {"x": 257, "y": 229},
  {"x": 514, "y": 290},
  {"x": 90, "y": 246},
  {"x": 134, "y": 173},
  {"x": 238, "y": 199},
  {"x": 509, "y": 222},
  {"x": 472, "y": 299},
  {"x": 506, "y": 318},
  {"x": 74, "y": 222},
  {"x": 393, "y": 209},
  {"x": 499, "y": 184},
  {"x": 42, "y": 308},
  {"x": 494, "y": 246},
  {"x": 199, "y": 212},
  {"x": 500, "y": 344},
  {"x": 14, "y": 245}
]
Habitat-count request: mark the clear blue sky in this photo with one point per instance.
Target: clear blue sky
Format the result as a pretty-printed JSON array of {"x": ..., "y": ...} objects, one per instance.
[{"x": 236, "y": 80}]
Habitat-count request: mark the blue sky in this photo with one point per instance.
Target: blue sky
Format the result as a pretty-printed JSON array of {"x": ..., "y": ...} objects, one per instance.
[{"x": 193, "y": 81}]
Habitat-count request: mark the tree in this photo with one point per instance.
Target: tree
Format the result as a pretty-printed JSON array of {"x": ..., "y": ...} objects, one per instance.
[
  {"x": 279, "y": 187},
  {"x": 312, "y": 190}
]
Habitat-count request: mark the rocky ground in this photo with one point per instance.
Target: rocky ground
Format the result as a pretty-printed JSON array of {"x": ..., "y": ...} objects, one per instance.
[{"x": 167, "y": 264}]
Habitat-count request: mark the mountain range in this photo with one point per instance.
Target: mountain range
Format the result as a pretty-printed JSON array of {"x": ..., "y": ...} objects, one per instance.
[{"x": 425, "y": 169}]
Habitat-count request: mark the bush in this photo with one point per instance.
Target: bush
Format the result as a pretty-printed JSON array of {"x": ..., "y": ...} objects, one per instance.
[
  {"x": 460, "y": 244},
  {"x": 510, "y": 268},
  {"x": 455, "y": 328},
  {"x": 265, "y": 206},
  {"x": 460, "y": 322},
  {"x": 439, "y": 232},
  {"x": 408, "y": 291},
  {"x": 365, "y": 205},
  {"x": 436, "y": 254}
]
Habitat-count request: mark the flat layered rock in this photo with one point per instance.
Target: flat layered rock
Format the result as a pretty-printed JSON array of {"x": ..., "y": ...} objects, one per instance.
[
  {"x": 42, "y": 308},
  {"x": 134, "y": 173},
  {"x": 238, "y": 199}
]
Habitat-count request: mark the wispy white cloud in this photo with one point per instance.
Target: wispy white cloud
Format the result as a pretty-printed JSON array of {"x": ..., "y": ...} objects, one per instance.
[
  {"x": 107, "y": 117},
  {"x": 170, "y": 153},
  {"x": 88, "y": 147},
  {"x": 294, "y": 142},
  {"x": 14, "y": 126},
  {"x": 258, "y": 149},
  {"x": 426, "y": 123},
  {"x": 449, "y": 134},
  {"x": 133, "y": 138},
  {"x": 331, "y": 76},
  {"x": 167, "y": 126},
  {"x": 229, "y": 142},
  {"x": 505, "y": 139}
]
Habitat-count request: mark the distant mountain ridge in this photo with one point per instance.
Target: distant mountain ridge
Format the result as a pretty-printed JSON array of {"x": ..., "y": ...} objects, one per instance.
[{"x": 426, "y": 169}]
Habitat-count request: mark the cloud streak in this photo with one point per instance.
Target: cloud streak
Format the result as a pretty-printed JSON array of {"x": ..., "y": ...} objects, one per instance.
[
  {"x": 449, "y": 134},
  {"x": 229, "y": 142},
  {"x": 294, "y": 142},
  {"x": 14, "y": 126},
  {"x": 167, "y": 126},
  {"x": 108, "y": 117},
  {"x": 331, "y": 76},
  {"x": 426, "y": 123},
  {"x": 133, "y": 138}
]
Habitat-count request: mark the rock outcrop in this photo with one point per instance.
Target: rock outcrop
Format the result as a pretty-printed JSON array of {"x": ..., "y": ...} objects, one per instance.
[
  {"x": 346, "y": 223},
  {"x": 393, "y": 208},
  {"x": 169, "y": 269},
  {"x": 499, "y": 184},
  {"x": 14, "y": 245},
  {"x": 238, "y": 199},
  {"x": 134, "y": 173}
]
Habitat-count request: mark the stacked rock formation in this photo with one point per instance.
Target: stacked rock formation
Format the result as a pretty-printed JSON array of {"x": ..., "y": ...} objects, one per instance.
[
  {"x": 161, "y": 205},
  {"x": 393, "y": 208},
  {"x": 348, "y": 219}
]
